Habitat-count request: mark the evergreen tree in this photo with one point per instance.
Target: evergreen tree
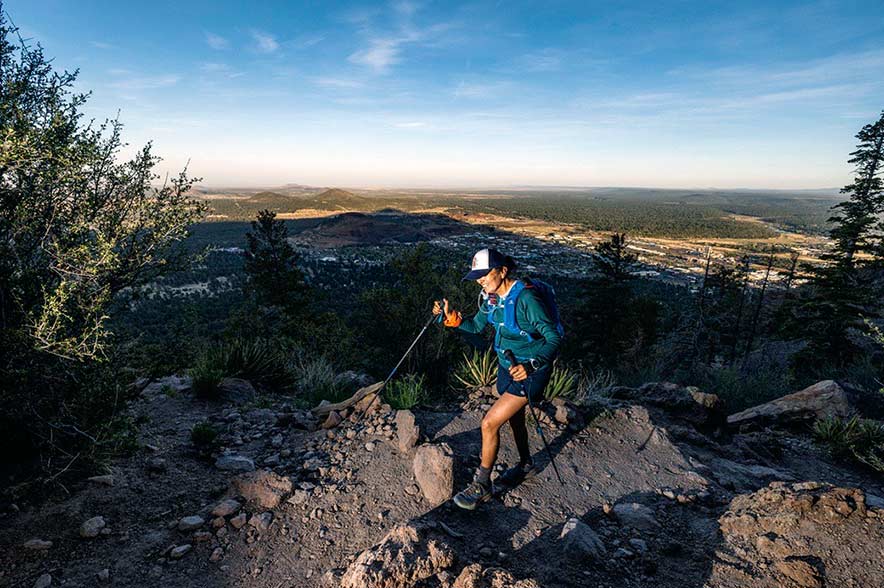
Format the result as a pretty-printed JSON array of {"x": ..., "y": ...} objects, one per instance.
[
  {"x": 272, "y": 264},
  {"x": 841, "y": 289},
  {"x": 612, "y": 326}
]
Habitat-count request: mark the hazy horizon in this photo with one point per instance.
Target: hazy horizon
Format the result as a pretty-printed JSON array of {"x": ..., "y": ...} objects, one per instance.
[{"x": 447, "y": 95}]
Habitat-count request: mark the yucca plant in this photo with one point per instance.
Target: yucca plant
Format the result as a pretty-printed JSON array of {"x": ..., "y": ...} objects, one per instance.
[
  {"x": 406, "y": 392},
  {"x": 476, "y": 370},
  {"x": 257, "y": 360},
  {"x": 206, "y": 376},
  {"x": 316, "y": 379},
  {"x": 862, "y": 439},
  {"x": 562, "y": 383}
]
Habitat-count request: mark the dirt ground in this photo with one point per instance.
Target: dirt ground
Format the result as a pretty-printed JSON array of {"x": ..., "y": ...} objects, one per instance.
[{"x": 694, "y": 498}]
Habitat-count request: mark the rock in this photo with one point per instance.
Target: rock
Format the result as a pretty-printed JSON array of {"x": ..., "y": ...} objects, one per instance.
[
  {"x": 44, "y": 581},
  {"x": 368, "y": 402},
  {"x": 92, "y": 528},
  {"x": 37, "y": 545},
  {"x": 579, "y": 542},
  {"x": 635, "y": 515},
  {"x": 261, "y": 521},
  {"x": 236, "y": 390},
  {"x": 741, "y": 477},
  {"x": 235, "y": 463},
  {"x": 473, "y": 576},
  {"x": 801, "y": 572},
  {"x": 106, "y": 480},
  {"x": 263, "y": 488},
  {"x": 276, "y": 441},
  {"x": 434, "y": 471},
  {"x": 639, "y": 545},
  {"x": 103, "y": 575},
  {"x": 823, "y": 399},
  {"x": 162, "y": 386},
  {"x": 407, "y": 431},
  {"x": 563, "y": 414},
  {"x": 332, "y": 420},
  {"x": 180, "y": 551},
  {"x": 406, "y": 556},
  {"x": 157, "y": 465},
  {"x": 298, "y": 497},
  {"x": 802, "y": 535},
  {"x": 225, "y": 508},
  {"x": 261, "y": 416},
  {"x": 703, "y": 411},
  {"x": 238, "y": 521},
  {"x": 369, "y": 446},
  {"x": 217, "y": 554},
  {"x": 191, "y": 523}
]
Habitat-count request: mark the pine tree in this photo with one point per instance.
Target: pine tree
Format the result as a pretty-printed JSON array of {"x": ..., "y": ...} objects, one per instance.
[
  {"x": 611, "y": 324},
  {"x": 272, "y": 264},
  {"x": 841, "y": 289}
]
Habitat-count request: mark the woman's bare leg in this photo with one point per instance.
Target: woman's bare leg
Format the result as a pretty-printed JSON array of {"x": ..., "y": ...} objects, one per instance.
[{"x": 503, "y": 410}]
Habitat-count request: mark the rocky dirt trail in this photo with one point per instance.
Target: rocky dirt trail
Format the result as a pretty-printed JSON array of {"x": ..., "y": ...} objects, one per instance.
[{"x": 658, "y": 491}]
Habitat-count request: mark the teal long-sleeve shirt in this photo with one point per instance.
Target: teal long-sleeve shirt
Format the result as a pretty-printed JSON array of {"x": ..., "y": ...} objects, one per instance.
[{"x": 532, "y": 316}]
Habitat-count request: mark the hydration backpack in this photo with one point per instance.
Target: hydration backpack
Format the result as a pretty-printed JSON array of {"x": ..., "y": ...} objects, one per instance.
[{"x": 547, "y": 295}]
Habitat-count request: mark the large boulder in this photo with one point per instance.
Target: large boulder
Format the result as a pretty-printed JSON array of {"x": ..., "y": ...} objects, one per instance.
[
  {"x": 261, "y": 488},
  {"x": 800, "y": 535},
  {"x": 823, "y": 399},
  {"x": 236, "y": 390},
  {"x": 434, "y": 471},
  {"x": 688, "y": 404},
  {"x": 406, "y": 556}
]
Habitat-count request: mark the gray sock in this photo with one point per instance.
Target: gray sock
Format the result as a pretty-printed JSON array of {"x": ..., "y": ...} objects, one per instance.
[{"x": 483, "y": 476}]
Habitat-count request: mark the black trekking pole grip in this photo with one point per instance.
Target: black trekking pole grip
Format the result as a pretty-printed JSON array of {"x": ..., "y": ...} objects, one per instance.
[{"x": 511, "y": 357}]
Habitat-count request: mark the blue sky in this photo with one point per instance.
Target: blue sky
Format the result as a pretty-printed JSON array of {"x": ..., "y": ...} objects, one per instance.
[{"x": 442, "y": 94}]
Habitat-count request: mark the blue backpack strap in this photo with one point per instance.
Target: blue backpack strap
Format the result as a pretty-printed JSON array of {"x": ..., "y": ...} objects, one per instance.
[{"x": 509, "y": 310}]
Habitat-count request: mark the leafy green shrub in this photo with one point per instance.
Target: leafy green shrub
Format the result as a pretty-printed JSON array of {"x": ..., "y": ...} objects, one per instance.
[
  {"x": 562, "y": 383},
  {"x": 405, "y": 392},
  {"x": 204, "y": 435},
  {"x": 477, "y": 369},
  {"x": 861, "y": 439}
]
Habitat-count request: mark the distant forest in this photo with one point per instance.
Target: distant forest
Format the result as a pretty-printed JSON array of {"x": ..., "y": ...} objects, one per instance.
[{"x": 652, "y": 213}]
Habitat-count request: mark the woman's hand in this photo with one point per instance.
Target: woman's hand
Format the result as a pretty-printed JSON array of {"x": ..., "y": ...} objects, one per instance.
[
  {"x": 451, "y": 316},
  {"x": 518, "y": 372}
]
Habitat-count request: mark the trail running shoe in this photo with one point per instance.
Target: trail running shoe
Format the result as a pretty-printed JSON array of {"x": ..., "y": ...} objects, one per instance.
[
  {"x": 516, "y": 474},
  {"x": 474, "y": 494}
]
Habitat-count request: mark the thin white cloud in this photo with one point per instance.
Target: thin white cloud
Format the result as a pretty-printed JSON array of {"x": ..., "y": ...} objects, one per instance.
[
  {"x": 264, "y": 42},
  {"x": 221, "y": 69},
  {"x": 544, "y": 60},
  {"x": 216, "y": 42},
  {"x": 101, "y": 45},
  {"x": 410, "y": 125},
  {"x": 380, "y": 55},
  {"x": 146, "y": 82},
  {"x": 474, "y": 90},
  {"x": 343, "y": 83}
]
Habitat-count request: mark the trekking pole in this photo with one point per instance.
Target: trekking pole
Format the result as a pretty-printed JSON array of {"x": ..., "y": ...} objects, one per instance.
[
  {"x": 392, "y": 373},
  {"x": 511, "y": 357}
]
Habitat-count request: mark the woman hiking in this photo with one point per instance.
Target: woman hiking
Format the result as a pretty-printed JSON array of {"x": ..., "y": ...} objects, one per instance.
[{"x": 523, "y": 323}]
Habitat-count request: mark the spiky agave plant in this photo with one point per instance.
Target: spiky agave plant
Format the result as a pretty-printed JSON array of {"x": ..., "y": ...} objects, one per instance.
[
  {"x": 477, "y": 369},
  {"x": 562, "y": 383}
]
